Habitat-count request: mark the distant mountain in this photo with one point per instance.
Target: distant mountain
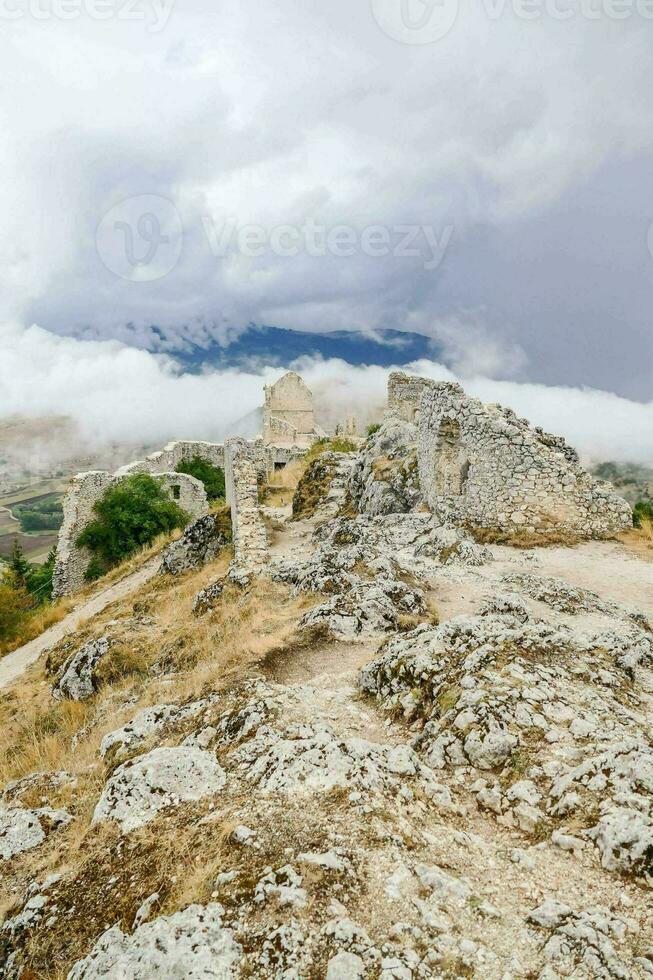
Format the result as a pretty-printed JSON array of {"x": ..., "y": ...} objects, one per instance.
[
  {"x": 260, "y": 346},
  {"x": 632, "y": 481}
]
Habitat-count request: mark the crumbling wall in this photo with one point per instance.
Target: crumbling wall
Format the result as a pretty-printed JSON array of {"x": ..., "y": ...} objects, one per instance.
[
  {"x": 268, "y": 458},
  {"x": 167, "y": 459},
  {"x": 482, "y": 465},
  {"x": 288, "y": 416},
  {"x": 242, "y": 462},
  {"x": 404, "y": 395},
  {"x": 71, "y": 561}
]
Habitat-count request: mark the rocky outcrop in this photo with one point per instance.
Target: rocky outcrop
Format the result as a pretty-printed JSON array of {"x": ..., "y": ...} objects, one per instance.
[
  {"x": 78, "y": 678},
  {"x": 23, "y": 830},
  {"x": 141, "y": 788},
  {"x": 365, "y": 608},
  {"x": 201, "y": 542},
  {"x": 533, "y": 703},
  {"x": 206, "y": 598},
  {"x": 384, "y": 479},
  {"x": 311, "y": 758},
  {"x": 193, "y": 944},
  {"x": 151, "y": 722},
  {"x": 322, "y": 491}
]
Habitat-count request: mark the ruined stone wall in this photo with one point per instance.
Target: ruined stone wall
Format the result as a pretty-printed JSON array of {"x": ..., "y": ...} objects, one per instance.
[
  {"x": 404, "y": 395},
  {"x": 481, "y": 464},
  {"x": 288, "y": 416},
  {"x": 71, "y": 562},
  {"x": 168, "y": 458},
  {"x": 267, "y": 458},
  {"x": 84, "y": 491},
  {"x": 242, "y": 467}
]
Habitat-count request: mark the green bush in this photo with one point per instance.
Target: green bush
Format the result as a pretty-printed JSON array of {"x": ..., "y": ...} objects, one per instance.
[
  {"x": 374, "y": 427},
  {"x": 211, "y": 476},
  {"x": 642, "y": 511},
  {"x": 128, "y": 517}
]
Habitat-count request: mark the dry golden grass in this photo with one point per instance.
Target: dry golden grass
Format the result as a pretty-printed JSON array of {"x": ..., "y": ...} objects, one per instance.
[
  {"x": 524, "y": 539},
  {"x": 48, "y": 615},
  {"x": 198, "y": 655},
  {"x": 639, "y": 540},
  {"x": 280, "y": 487},
  {"x": 38, "y": 622}
]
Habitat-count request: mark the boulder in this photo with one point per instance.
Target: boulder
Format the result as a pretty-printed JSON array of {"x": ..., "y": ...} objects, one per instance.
[
  {"x": 22, "y": 830},
  {"x": 77, "y": 681},
  {"x": 201, "y": 542},
  {"x": 192, "y": 944},
  {"x": 141, "y": 788}
]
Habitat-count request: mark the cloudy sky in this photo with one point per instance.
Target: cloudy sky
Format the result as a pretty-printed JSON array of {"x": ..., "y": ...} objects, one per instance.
[{"x": 480, "y": 172}]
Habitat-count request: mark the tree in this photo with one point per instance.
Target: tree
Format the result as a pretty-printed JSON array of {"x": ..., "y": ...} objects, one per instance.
[
  {"x": 211, "y": 476},
  {"x": 19, "y": 565},
  {"x": 14, "y": 606},
  {"x": 128, "y": 516},
  {"x": 39, "y": 582}
]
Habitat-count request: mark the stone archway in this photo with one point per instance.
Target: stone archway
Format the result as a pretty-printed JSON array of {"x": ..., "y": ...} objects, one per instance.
[{"x": 451, "y": 465}]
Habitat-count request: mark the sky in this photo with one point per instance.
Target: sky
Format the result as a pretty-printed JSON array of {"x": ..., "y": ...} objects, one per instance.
[{"x": 479, "y": 171}]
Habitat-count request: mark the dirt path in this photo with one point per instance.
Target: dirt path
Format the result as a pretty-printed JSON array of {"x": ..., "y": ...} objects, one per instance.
[{"x": 14, "y": 664}]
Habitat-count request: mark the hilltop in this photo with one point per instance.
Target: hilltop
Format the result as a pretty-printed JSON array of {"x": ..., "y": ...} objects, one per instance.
[{"x": 361, "y": 740}]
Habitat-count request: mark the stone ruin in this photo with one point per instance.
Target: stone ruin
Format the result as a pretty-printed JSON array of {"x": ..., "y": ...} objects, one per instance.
[
  {"x": 248, "y": 529},
  {"x": 71, "y": 562},
  {"x": 470, "y": 464},
  {"x": 288, "y": 416},
  {"x": 483, "y": 466},
  {"x": 288, "y": 430}
]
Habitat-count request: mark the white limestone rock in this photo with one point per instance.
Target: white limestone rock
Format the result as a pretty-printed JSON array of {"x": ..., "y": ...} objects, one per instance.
[
  {"x": 192, "y": 944},
  {"x": 384, "y": 479},
  {"x": 365, "y": 608},
  {"x": 148, "y": 722},
  {"x": 201, "y": 542},
  {"x": 312, "y": 758},
  {"x": 208, "y": 597},
  {"x": 141, "y": 788},
  {"x": 582, "y": 944},
  {"x": 22, "y": 830},
  {"x": 345, "y": 966},
  {"x": 77, "y": 680}
]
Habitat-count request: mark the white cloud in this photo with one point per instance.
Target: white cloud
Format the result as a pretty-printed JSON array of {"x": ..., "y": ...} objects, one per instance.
[
  {"x": 279, "y": 113},
  {"x": 119, "y": 394}
]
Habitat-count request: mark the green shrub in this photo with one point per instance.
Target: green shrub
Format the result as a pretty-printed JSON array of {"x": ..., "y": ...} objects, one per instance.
[
  {"x": 129, "y": 516},
  {"x": 211, "y": 476},
  {"x": 642, "y": 512},
  {"x": 374, "y": 427}
]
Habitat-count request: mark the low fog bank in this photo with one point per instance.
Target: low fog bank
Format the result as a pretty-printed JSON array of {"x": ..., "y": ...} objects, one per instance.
[{"x": 118, "y": 395}]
